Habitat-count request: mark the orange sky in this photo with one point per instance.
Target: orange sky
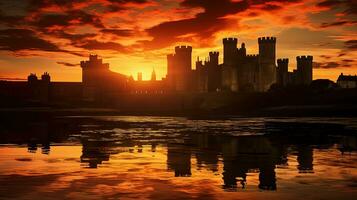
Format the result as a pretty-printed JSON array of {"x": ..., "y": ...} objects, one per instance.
[{"x": 135, "y": 35}]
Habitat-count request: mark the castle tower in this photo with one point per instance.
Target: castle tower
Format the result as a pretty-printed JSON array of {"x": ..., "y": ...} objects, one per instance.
[
  {"x": 229, "y": 50},
  {"x": 304, "y": 69},
  {"x": 153, "y": 75},
  {"x": 267, "y": 67},
  {"x": 213, "y": 58},
  {"x": 32, "y": 78},
  {"x": 214, "y": 74},
  {"x": 201, "y": 73},
  {"x": 46, "y": 77},
  {"x": 94, "y": 71},
  {"x": 282, "y": 72},
  {"x": 229, "y": 72},
  {"x": 183, "y": 67}
]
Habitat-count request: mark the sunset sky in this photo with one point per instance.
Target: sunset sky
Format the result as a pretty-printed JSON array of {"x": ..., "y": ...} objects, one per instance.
[{"x": 135, "y": 35}]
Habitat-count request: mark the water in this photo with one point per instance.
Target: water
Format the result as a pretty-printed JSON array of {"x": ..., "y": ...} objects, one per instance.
[{"x": 126, "y": 157}]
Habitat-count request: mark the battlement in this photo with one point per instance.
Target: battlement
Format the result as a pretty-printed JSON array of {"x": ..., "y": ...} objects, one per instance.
[
  {"x": 183, "y": 48},
  {"x": 213, "y": 53},
  {"x": 199, "y": 62},
  {"x": 169, "y": 56},
  {"x": 93, "y": 57},
  {"x": 304, "y": 58},
  {"x": 252, "y": 55},
  {"x": 230, "y": 40},
  {"x": 283, "y": 61},
  {"x": 46, "y": 77},
  {"x": 32, "y": 75},
  {"x": 267, "y": 40}
]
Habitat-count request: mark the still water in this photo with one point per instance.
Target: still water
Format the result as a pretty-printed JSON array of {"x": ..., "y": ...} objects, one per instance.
[{"x": 128, "y": 157}]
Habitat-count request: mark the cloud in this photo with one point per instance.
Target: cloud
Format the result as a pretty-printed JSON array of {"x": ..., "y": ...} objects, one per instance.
[
  {"x": 67, "y": 64},
  {"x": 326, "y": 65},
  {"x": 203, "y": 25},
  {"x": 70, "y": 18},
  {"x": 97, "y": 45},
  {"x": 118, "y": 32},
  {"x": 24, "y": 39},
  {"x": 349, "y": 6},
  {"x": 339, "y": 23},
  {"x": 333, "y": 65},
  {"x": 351, "y": 44}
]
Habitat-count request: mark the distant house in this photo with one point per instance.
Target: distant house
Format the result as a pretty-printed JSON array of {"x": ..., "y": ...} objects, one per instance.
[{"x": 347, "y": 81}]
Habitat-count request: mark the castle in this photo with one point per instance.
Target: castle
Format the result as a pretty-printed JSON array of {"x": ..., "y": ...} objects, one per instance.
[{"x": 239, "y": 72}]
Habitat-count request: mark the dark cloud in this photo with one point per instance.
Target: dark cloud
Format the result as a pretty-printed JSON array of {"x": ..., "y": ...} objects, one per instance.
[
  {"x": 74, "y": 17},
  {"x": 203, "y": 25},
  {"x": 206, "y": 23},
  {"x": 35, "y": 5},
  {"x": 347, "y": 60},
  {"x": 270, "y": 7},
  {"x": 9, "y": 21},
  {"x": 326, "y": 65},
  {"x": 128, "y": 1},
  {"x": 118, "y": 32},
  {"x": 351, "y": 44},
  {"x": 67, "y": 64},
  {"x": 23, "y": 39},
  {"x": 72, "y": 37},
  {"x": 339, "y": 23},
  {"x": 325, "y": 57},
  {"x": 97, "y": 45},
  {"x": 349, "y": 6}
]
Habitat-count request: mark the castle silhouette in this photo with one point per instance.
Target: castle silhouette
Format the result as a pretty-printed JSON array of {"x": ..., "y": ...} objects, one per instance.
[{"x": 239, "y": 72}]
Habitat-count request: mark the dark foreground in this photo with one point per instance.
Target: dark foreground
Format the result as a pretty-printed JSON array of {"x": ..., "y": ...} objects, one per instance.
[{"x": 138, "y": 157}]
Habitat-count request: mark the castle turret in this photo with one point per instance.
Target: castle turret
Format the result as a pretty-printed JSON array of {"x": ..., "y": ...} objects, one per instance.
[
  {"x": 282, "y": 72},
  {"x": 46, "y": 77},
  {"x": 213, "y": 57},
  {"x": 214, "y": 74},
  {"x": 183, "y": 67},
  {"x": 229, "y": 71},
  {"x": 32, "y": 78},
  {"x": 267, "y": 70},
  {"x": 229, "y": 50},
  {"x": 304, "y": 69}
]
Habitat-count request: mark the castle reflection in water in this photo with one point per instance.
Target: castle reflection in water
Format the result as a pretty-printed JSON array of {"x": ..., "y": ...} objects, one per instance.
[{"x": 239, "y": 155}]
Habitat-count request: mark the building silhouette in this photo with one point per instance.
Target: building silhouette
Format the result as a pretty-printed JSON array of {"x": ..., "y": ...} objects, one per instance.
[
  {"x": 347, "y": 81},
  {"x": 179, "y": 69},
  {"x": 239, "y": 72},
  {"x": 301, "y": 76},
  {"x": 248, "y": 72}
]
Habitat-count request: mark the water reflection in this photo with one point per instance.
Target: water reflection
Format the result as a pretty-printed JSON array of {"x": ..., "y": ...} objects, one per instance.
[{"x": 190, "y": 147}]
